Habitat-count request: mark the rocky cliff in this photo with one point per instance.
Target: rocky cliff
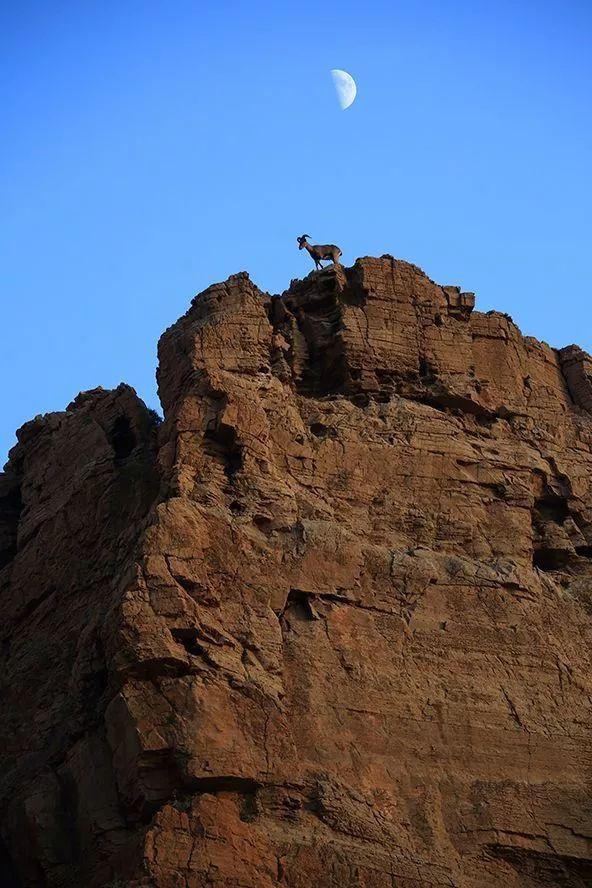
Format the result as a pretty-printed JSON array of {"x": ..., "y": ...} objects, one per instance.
[{"x": 328, "y": 624}]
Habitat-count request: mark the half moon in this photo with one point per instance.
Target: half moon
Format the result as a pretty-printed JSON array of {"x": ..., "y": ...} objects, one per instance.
[{"x": 345, "y": 87}]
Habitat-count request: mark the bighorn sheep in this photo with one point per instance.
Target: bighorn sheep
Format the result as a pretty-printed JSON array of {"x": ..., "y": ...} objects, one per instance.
[{"x": 318, "y": 252}]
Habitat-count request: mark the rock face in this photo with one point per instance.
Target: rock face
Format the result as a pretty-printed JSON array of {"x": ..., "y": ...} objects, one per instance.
[{"x": 329, "y": 624}]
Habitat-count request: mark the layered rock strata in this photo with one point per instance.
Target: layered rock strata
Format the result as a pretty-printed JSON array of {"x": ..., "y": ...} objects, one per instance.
[{"x": 328, "y": 624}]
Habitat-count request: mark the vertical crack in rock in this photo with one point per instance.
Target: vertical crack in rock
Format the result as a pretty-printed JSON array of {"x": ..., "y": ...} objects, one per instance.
[
  {"x": 221, "y": 442},
  {"x": 11, "y": 505},
  {"x": 317, "y": 309},
  {"x": 122, "y": 437}
]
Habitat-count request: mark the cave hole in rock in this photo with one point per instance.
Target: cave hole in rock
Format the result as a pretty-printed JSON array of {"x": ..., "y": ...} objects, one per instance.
[
  {"x": 122, "y": 438},
  {"x": 432, "y": 401},
  {"x": 246, "y": 786},
  {"x": 552, "y": 507},
  {"x": 550, "y": 559},
  {"x": 320, "y": 430},
  {"x": 189, "y": 639},
  {"x": 222, "y": 444},
  {"x": 298, "y": 605}
]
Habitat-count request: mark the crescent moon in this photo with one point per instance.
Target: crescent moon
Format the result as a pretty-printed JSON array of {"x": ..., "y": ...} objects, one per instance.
[{"x": 345, "y": 87}]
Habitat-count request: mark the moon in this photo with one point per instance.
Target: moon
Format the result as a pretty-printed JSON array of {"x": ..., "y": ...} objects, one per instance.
[{"x": 345, "y": 87}]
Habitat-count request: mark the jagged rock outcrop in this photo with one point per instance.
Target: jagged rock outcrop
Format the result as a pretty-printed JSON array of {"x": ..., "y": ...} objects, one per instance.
[{"x": 328, "y": 624}]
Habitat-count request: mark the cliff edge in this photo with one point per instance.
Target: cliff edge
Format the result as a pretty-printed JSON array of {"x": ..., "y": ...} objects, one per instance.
[{"x": 328, "y": 624}]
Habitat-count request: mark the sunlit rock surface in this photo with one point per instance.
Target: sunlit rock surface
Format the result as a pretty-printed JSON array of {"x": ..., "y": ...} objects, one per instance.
[{"x": 328, "y": 624}]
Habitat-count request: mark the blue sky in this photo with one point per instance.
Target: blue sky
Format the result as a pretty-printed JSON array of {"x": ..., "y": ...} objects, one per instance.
[{"x": 152, "y": 148}]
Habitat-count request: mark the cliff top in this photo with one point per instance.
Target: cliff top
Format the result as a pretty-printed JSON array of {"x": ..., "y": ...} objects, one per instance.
[{"x": 329, "y": 623}]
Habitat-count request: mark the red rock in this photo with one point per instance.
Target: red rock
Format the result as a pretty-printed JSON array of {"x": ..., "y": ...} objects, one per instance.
[{"x": 329, "y": 624}]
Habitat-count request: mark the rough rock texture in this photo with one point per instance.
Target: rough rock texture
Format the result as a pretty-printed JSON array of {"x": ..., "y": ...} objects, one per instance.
[{"x": 329, "y": 624}]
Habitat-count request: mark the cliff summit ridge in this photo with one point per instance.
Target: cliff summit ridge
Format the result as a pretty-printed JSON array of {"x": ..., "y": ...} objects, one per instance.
[{"x": 329, "y": 622}]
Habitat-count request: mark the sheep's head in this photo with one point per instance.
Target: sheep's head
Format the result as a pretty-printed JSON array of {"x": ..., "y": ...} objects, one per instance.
[{"x": 302, "y": 241}]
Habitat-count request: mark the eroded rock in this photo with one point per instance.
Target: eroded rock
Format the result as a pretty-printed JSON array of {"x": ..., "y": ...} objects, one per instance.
[{"x": 329, "y": 624}]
